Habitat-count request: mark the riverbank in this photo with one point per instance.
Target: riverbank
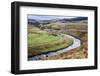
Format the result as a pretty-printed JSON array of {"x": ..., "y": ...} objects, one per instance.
[{"x": 76, "y": 43}]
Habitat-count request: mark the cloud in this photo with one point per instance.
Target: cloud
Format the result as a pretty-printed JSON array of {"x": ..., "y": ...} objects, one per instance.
[{"x": 47, "y": 17}]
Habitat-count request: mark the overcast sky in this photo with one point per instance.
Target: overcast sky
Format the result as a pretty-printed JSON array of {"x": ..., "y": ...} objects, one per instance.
[{"x": 44, "y": 17}]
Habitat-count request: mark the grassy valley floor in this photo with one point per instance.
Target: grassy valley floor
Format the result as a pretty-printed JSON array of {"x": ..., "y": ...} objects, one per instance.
[{"x": 40, "y": 41}]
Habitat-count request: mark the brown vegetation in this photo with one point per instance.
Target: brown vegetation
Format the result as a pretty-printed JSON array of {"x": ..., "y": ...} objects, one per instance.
[{"x": 79, "y": 52}]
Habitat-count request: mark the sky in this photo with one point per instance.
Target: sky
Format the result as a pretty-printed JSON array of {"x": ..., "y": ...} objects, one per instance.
[{"x": 46, "y": 17}]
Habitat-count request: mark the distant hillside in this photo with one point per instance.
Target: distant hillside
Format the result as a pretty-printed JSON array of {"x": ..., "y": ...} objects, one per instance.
[
  {"x": 73, "y": 19},
  {"x": 64, "y": 20},
  {"x": 79, "y": 18},
  {"x": 33, "y": 21}
]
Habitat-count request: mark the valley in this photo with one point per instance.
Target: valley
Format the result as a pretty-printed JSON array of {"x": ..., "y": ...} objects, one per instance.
[{"x": 48, "y": 36}]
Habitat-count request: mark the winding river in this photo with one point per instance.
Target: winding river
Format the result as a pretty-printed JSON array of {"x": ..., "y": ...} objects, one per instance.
[{"x": 76, "y": 43}]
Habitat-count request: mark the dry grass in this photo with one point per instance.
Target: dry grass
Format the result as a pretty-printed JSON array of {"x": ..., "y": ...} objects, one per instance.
[{"x": 77, "y": 53}]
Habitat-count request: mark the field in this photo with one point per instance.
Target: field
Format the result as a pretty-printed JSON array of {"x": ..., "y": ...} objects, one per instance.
[{"x": 40, "y": 41}]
